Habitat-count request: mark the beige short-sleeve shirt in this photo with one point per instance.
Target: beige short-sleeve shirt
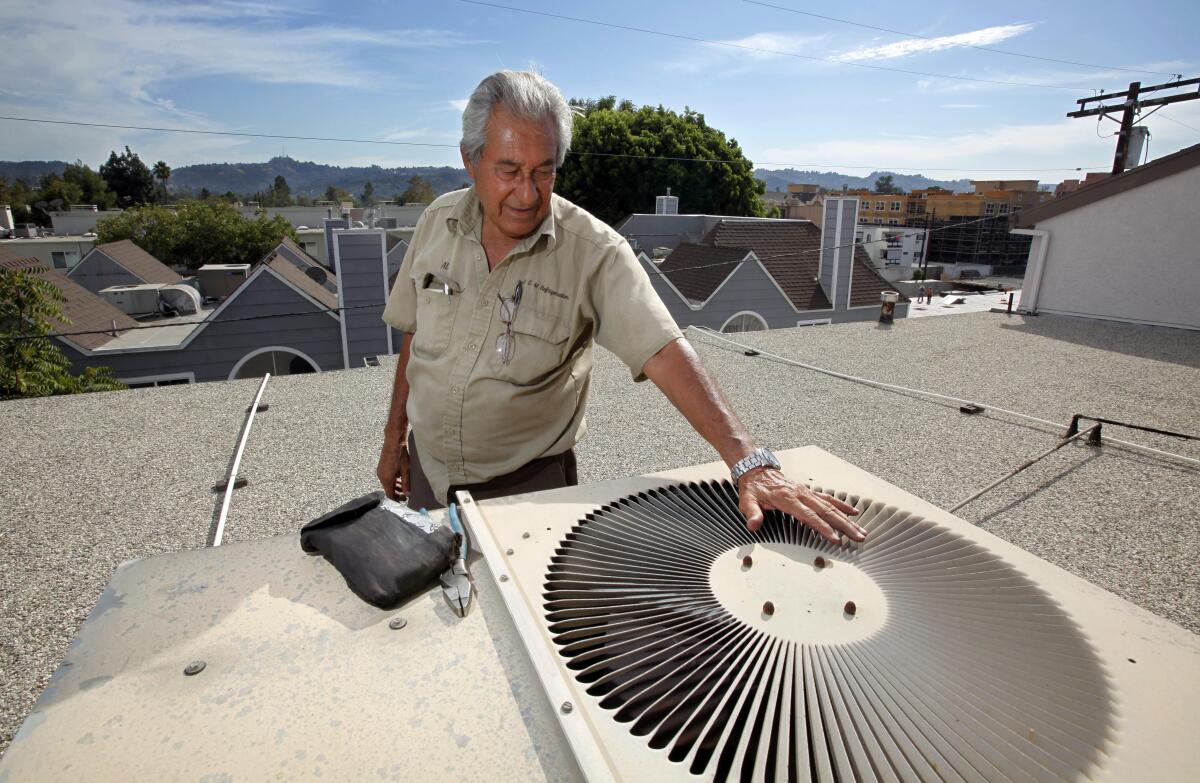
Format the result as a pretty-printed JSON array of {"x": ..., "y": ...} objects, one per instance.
[{"x": 475, "y": 418}]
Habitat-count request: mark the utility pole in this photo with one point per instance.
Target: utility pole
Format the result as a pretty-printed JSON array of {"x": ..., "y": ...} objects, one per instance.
[{"x": 1132, "y": 104}]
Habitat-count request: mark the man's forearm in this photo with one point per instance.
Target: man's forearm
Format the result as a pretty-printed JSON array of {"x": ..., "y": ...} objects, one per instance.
[
  {"x": 396, "y": 428},
  {"x": 678, "y": 372}
]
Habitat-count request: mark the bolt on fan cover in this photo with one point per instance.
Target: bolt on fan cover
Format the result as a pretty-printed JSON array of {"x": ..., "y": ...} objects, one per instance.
[{"x": 773, "y": 655}]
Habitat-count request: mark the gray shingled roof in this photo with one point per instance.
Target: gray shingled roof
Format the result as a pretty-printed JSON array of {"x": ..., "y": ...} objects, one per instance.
[
  {"x": 292, "y": 253},
  {"x": 294, "y": 275},
  {"x": 790, "y": 251},
  {"x": 138, "y": 262},
  {"x": 697, "y": 270},
  {"x": 83, "y": 310}
]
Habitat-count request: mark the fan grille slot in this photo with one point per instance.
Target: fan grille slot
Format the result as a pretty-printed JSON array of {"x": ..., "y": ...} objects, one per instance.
[{"x": 953, "y": 666}]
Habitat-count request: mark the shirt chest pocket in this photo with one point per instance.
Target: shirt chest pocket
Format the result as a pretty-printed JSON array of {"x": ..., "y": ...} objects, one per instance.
[
  {"x": 539, "y": 349},
  {"x": 435, "y": 317}
]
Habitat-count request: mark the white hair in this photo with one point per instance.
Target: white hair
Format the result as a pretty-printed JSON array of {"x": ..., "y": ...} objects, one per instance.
[{"x": 526, "y": 94}]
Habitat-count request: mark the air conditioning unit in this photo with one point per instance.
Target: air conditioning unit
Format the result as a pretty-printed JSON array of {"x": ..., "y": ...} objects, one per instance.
[
  {"x": 141, "y": 299},
  {"x": 179, "y": 299},
  {"x": 220, "y": 280},
  {"x": 679, "y": 646}
]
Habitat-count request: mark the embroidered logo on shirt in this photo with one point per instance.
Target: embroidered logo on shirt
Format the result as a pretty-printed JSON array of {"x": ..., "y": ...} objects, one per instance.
[{"x": 546, "y": 289}]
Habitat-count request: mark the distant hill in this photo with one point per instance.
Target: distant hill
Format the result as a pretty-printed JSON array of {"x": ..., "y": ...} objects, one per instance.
[
  {"x": 310, "y": 179},
  {"x": 778, "y": 179},
  {"x": 30, "y": 171}
]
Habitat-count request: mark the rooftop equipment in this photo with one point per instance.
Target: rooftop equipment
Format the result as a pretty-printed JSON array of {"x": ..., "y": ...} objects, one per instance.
[
  {"x": 140, "y": 299},
  {"x": 672, "y": 644},
  {"x": 179, "y": 299},
  {"x": 220, "y": 280}
]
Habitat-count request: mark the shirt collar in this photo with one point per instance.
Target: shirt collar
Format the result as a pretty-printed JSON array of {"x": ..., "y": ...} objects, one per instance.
[{"x": 467, "y": 217}]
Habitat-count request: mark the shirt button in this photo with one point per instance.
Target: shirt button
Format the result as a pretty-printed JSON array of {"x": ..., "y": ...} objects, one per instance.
[
  {"x": 454, "y": 390},
  {"x": 428, "y": 300},
  {"x": 470, "y": 346}
]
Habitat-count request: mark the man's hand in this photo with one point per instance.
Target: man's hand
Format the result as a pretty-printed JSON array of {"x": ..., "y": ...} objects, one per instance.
[
  {"x": 765, "y": 489},
  {"x": 393, "y": 470}
]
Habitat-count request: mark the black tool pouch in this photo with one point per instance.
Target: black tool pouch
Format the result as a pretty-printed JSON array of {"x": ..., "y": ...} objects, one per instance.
[{"x": 383, "y": 559}]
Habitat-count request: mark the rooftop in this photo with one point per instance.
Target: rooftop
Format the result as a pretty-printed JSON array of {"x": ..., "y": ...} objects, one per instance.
[{"x": 1123, "y": 520}]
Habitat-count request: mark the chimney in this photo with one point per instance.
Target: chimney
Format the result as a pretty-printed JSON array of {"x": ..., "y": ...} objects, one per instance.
[
  {"x": 360, "y": 263},
  {"x": 838, "y": 221},
  {"x": 6, "y": 218},
  {"x": 666, "y": 205}
]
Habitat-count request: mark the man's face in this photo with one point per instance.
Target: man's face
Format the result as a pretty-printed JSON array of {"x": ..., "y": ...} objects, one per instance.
[{"x": 515, "y": 173}]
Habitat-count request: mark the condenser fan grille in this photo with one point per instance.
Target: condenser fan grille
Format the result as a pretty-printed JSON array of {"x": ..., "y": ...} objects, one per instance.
[{"x": 777, "y": 656}]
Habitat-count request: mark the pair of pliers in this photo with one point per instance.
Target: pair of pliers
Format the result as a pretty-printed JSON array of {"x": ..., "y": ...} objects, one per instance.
[{"x": 456, "y": 580}]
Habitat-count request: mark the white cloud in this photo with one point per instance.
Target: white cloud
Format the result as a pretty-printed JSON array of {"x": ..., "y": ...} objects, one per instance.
[
  {"x": 118, "y": 62},
  {"x": 1056, "y": 145},
  {"x": 459, "y": 105},
  {"x": 983, "y": 37},
  {"x": 750, "y": 50}
]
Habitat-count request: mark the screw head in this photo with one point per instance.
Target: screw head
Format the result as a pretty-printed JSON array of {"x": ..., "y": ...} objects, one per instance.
[
  {"x": 193, "y": 668},
  {"x": 768, "y": 608},
  {"x": 567, "y": 707},
  {"x": 524, "y": 535},
  {"x": 850, "y": 608},
  {"x": 747, "y": 561},
  {"x": 508, "y": 551},
  {"x": 396, "y": 623},
  {"x": 503, "y": 577},
  {"x": 819, "y": 562}
]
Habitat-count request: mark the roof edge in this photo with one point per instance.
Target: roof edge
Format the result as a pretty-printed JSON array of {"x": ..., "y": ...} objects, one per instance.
[{"x": 1184, "y": 159}]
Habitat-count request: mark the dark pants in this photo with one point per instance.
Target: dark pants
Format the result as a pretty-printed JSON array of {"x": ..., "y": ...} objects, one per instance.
[{"x": 543, "y": 473}]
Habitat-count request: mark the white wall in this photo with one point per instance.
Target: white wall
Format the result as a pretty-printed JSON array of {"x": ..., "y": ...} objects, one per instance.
[
  {"x": 1129, "y": 257},
  {"x": 78, "y": 221}
]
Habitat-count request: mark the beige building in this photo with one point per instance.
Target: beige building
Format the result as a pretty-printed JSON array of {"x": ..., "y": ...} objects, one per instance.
[{"x": 55, "y": 252}]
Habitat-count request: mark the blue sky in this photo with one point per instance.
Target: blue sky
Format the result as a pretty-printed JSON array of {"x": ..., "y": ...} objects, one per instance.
[{"x": 400, "y": 70}]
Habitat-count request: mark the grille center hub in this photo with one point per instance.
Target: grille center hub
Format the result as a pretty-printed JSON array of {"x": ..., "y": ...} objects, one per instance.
[{"x": 808, "y": 602}]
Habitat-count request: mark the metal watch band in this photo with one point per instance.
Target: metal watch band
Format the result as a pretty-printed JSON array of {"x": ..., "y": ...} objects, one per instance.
[{"x": 759, "y": 458}]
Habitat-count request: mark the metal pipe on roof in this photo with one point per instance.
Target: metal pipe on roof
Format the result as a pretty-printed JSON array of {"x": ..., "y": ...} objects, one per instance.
[
  {"x": 1092, "y": 433},
  {"x": 219, "y": 529}
]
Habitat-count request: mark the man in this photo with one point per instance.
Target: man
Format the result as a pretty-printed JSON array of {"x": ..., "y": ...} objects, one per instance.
[{"x": 502, "y": 291}]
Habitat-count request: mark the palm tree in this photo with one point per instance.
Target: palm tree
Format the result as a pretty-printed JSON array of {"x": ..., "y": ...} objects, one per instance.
[{"x": 162, "y": 173}]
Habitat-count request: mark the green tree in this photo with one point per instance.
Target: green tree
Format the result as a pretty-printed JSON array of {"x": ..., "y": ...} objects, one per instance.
[
  {"x": 337, "y": 195},
  {"x": 612, "y": 187},
  {"x": 197, "y": 233},
  {"x": 368, "y": 194},
  {"x": 129, "y": 178},
  {"x": 93, "y": 188},
  {"x": 33, "y": 366},
  {"x": 281, "y": 192},
  {"x": 204, "y": 194},
  {"x": 884, "y": 184},
  {"x": 162, "y": 173},
  {"x": 419, "y": 191}
]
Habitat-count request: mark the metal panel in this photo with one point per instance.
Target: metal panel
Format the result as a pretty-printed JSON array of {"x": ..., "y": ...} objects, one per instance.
[
  {"x": 301, "y": 680},
  {"x": 965, "y": 658}
]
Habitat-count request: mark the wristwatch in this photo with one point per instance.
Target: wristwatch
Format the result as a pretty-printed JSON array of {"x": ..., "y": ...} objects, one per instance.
[{"x": 759, "y": 458}]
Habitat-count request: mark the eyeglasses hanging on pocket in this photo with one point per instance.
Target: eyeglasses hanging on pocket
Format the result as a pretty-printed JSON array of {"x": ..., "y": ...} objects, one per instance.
[{"x": 506, "y": 344}]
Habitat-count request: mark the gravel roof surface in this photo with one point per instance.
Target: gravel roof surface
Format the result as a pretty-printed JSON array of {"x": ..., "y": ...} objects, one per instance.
[{"x": 94, "y": 480}]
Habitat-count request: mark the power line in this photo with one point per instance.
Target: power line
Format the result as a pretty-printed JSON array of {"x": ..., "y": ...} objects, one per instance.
[
  {"x": 1177, "y": 122},
  {"x": 680, "y": 159},
  {"x": 969, "y": 46},
  {"x": 731, "y": 45}
]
